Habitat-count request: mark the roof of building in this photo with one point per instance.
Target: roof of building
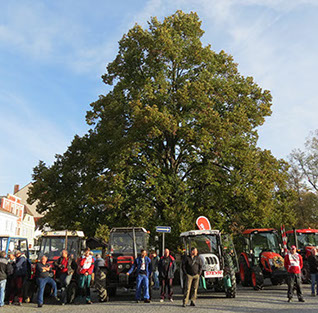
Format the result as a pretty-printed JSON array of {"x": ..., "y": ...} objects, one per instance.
[{"x": 23, "y": 194}]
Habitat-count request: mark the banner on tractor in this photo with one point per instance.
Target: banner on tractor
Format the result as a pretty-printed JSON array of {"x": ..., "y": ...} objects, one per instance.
[
  {"x": 213, "y": 274},
  {"x": 203, "y": 223}
]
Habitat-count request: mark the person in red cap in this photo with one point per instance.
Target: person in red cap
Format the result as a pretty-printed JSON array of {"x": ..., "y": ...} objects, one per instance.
[{"x": 293, "y": 263}]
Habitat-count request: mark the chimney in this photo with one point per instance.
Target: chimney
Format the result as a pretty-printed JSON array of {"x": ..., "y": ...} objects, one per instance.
[{"x": 16, "y": 189}]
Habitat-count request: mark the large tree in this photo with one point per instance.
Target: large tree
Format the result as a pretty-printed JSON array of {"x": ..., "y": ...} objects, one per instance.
[
  {"x": 303, "y": 178},
  {"x": 175, "y": 138}
]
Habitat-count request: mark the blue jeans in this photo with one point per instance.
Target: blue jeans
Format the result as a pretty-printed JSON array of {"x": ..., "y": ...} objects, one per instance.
[
  {"x": 2, "y": 291},
  {"x": 41, "y": 282},
  {"x": 156, "y": 279},
  {"x": 142, "y": 281},
  {"x": 314, "y": 281}
]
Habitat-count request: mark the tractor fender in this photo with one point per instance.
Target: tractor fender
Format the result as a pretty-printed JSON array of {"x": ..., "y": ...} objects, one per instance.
[{"x": 244, "y": 255}]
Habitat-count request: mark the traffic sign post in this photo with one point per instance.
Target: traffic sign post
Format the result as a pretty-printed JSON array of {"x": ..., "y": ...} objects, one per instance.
[{"x": 163, "y": 230}]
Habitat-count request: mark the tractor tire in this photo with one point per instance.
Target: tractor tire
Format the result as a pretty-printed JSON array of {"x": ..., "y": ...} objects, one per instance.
[
  {"x": 230, "y": 292},
  {"x": 245, "y": 274},
  {"x": 257, "y": 278},
  {"x": 71, "y": 292},
  {"x": 305, "y": 273}
]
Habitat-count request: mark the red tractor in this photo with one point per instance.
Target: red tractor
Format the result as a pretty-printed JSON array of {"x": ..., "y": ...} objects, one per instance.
[
  {"x": 261, "y": 258},
  {"x": 124, "y": 245},
  {"x": 51, "y": 244},
  {"x": 305, "y": 240}
]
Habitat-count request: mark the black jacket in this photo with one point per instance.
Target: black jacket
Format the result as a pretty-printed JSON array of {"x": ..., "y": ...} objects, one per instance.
[
  {"x": 313, "y": 264},
  {"x": 171, "y": 267},
  {"x": 6, "y": 269},
  {"x": 192, "y": 266}
]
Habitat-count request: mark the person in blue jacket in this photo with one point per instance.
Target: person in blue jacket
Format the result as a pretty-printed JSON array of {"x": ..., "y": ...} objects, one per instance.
[{"x": 143, "y": 268}]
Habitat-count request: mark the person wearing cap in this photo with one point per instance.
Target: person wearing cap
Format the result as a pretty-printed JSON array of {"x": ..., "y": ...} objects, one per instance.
[
  {"x": 313, "y": 269},
  {"x": 293, "y": 263}
]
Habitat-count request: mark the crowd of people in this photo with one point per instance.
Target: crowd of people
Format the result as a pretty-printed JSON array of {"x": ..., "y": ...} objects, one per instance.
[{"x": 151, "y": 273}]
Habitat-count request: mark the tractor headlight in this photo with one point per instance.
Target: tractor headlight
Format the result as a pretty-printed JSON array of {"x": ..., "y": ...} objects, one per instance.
[
  {"x": 127, "y": 266},
  {"x": 271, "y": 262},
  {"x": 120, "y": 266}
]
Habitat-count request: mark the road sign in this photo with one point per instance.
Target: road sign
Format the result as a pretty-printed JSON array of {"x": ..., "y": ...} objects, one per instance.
[
  {"x": 163, "y": 229},
  {"x": 203, "y": 223}
]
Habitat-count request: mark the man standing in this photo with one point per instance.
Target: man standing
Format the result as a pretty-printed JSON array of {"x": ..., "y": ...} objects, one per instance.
[
  {"x": 143, "y": 271},
  {"x": 42, "y": 275},
  {"x": 65, "y": 269},
  {"x": 5, "y": 270},
  {"x": 192, "y": 268},
  {"x": 167, "y": 267},
  {"x": 313, "y": 268},
  {"x": 293, "y": 263},
  {"x": 100, "y": 278},
  {"x": 20, "y": 268},
  {"x": 86, "y": 271}
]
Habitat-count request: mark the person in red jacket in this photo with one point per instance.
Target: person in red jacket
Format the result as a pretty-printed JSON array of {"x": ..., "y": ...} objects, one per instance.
[
  {"x": 86, "y": 267},
  {"x": 293, "y": 263}
]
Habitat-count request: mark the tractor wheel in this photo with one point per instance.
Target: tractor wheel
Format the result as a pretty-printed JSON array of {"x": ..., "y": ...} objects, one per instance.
[
  {"x": 305, "y": 273},
  {"x": 244, "y": 272},
  {"x": 71, "y": 292},
  {"x": 257, "y": 278},
  {"x": 230, "y": 292}
]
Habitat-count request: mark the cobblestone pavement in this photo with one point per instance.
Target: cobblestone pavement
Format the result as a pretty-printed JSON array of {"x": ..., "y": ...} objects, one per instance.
[{"x": 270, "y": 299}]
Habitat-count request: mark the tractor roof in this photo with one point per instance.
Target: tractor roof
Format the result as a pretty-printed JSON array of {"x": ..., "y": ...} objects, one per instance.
[
  {"x": 127, "y": 229},
  {"x": 303, "y": 231},
  {"x": 192, "y": 233},
  {"x": 60, "y": 233},
  {"x": 260, "y": 230}
]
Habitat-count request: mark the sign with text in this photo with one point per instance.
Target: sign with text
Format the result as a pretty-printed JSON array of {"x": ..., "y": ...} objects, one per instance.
[{"x": 213, "y": 274}]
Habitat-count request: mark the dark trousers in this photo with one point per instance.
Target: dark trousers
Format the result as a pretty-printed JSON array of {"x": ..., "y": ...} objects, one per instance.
[
  {"x": 294, "y": 280},
  {"x": 166, "y": 288},
  {"x": 84, "y": 286},
  {"x": 65, "y": 280},
  {"x": 16, "y": 288}
]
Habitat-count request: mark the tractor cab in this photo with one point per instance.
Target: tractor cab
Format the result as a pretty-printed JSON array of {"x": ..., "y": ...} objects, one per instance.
[
  {"x": 13, "y": 243},
  {"x": 261, "y": 258},
  {"x": 53, "y": 242},
  {"x": 125, "y": 243},
  {"x": 262, "y": 240},
  {"x": 219, "y": 261}
]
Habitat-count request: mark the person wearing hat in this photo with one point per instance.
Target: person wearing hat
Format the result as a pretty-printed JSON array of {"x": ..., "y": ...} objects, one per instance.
[{"x": 293, "y": 263}]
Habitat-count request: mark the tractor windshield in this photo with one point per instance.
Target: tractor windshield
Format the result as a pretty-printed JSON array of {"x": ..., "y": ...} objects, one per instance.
[
  {"x": 11, "y": 244},
  {"x": 261, "y": 241},
  {"x": 52, "y": 246},
  {"x": 122, "y": 242},
  {"x": 204, "y": 243},
  {"x": 307, "y": 239}
]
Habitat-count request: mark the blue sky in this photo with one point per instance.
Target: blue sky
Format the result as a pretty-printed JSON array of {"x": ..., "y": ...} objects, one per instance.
[{"x": 52, "y": 54}]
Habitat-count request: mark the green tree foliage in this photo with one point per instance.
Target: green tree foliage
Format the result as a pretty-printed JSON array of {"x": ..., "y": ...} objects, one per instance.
[
  {"x": 175, "y": 138},
  {"x": 303, "y": 178}
]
